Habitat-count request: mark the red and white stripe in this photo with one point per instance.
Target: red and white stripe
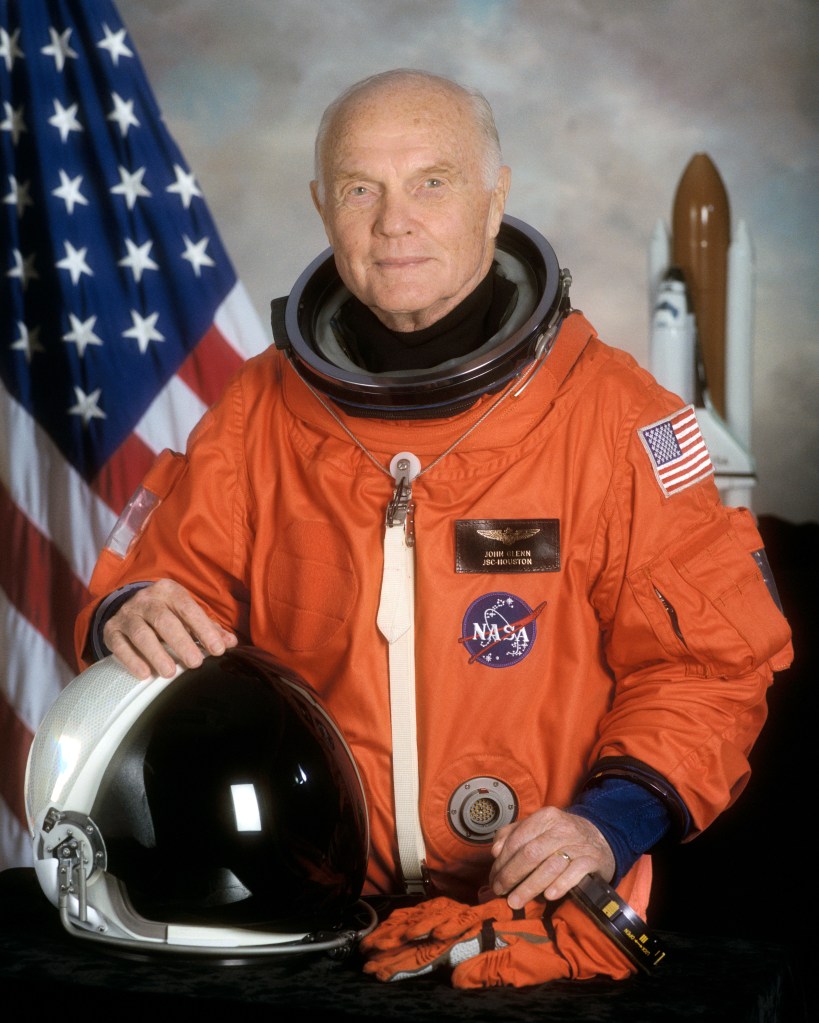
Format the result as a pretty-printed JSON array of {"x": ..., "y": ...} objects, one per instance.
[{"x": 54, "y": 525}]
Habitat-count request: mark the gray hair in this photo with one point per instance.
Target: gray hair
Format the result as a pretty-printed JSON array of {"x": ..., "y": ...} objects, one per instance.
[{"x": 482, "y": 111}]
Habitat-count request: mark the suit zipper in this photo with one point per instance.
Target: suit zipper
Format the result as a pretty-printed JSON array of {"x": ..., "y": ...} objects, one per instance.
[{"x": 672, "y": 617}]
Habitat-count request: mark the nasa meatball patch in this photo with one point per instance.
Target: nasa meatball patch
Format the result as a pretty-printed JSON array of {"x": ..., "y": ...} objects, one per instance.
[
  {"x": 499, "y": 629},
  {"x": 507, "y": 545},
  {"x": 677, "y": 451}
]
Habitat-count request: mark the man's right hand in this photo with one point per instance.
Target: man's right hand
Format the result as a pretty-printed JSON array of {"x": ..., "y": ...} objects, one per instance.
[{"x": 161, "y": 617}]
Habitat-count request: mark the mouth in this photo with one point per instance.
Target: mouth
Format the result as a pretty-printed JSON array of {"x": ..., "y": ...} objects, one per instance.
[{"x": 401, "y": 262}]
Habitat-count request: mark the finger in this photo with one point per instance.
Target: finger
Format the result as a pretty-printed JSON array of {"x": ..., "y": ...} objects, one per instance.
[
  {"x": 230, "y": 639},
  {"x": 153, "y": 602},
  {"x": 499, "y": 840},
  {"x": 529, "y": 888},
  {"x": 554, "y": 877},
  {"x": 149, "y": 630},
  {"x": 140, "y": 663},
  {"x": 528, "y": 865},
  {"x": 509, "y": 840},
  {"x": 207, "y": 633},
  {"x": 520, "y": 848},
  {"x": 568, "y": 871},
  {"x": 165, "y": 629}
]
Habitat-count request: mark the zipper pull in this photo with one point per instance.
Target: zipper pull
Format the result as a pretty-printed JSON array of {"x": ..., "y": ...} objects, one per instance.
[
  {"x": 672, "y": 617},
  {"x": 404, "y": 467}
]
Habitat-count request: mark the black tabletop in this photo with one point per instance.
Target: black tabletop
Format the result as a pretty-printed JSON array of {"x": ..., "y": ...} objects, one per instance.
[{"x": 704, "y": 978}]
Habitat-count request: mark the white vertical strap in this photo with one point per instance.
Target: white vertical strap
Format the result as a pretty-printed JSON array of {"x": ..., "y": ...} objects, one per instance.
[{"x": 396, "y": 620}]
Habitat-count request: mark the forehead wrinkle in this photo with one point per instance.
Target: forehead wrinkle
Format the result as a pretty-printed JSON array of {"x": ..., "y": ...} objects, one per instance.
[
  {"x": 381, "y": 149},
  {"x": 442, "y": 168},
  {"x": 390, "y": 109}
]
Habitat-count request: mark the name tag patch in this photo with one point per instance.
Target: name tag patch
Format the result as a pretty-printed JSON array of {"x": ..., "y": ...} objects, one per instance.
[{"x": 507, "y": 545}]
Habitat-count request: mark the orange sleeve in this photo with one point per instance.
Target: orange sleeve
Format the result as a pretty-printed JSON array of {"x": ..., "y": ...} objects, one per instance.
[
  {"x": 691, "y": 632},
  {"x": 187, "y": 522}
]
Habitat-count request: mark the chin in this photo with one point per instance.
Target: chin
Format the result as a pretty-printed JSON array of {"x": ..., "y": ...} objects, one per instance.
[{"x": 422, "y": 311}]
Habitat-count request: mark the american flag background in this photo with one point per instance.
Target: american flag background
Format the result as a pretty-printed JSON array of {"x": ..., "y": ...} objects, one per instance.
[{"x": 121, "y": 319}]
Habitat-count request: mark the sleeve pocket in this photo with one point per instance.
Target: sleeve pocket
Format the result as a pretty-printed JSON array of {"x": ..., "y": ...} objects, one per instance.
[{"x": 708, "y": 603}]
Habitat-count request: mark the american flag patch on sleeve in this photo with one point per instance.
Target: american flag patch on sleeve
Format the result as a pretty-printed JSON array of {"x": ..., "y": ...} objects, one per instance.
[{"x": 677, "y": 451}]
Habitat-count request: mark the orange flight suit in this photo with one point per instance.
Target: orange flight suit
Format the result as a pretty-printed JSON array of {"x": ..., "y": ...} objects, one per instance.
[{"x": 640, "y": 631}]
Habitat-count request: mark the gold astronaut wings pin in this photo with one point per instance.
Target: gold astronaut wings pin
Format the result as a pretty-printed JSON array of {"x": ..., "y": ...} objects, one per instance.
[{"x": 507, "y": 536}]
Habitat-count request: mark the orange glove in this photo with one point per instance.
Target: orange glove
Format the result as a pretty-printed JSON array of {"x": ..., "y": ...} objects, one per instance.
[
  {"x": 442, "y": 933},
  {"x": 492, "y": 945},
  {"x": 579, "y": 951}
]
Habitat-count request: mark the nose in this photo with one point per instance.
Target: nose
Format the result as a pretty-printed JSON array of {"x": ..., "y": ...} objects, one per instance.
[{"x": 394, "y": 213}]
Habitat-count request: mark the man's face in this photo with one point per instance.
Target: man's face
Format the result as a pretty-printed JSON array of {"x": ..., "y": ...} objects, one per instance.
[{"x": 406, "y": 204}]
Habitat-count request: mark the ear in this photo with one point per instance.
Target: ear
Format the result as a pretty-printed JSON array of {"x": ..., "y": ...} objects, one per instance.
[
  {"x": 498, "y": 201},
  {"x": 314, "y": 194}
]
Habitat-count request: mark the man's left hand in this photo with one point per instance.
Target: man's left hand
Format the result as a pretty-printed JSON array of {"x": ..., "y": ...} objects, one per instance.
[{"x": 547, "y": 854}]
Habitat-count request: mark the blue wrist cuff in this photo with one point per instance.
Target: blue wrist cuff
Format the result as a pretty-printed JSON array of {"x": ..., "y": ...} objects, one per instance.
[{"x": 630, "y": 818}]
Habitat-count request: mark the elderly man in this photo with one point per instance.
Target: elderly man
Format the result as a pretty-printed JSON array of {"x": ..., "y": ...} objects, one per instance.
[{"x": 492, "y": 543}]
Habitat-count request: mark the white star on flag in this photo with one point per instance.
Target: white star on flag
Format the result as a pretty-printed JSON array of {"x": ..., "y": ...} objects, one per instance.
[
  {"x": 185, "y": 186},
  {"x": 144, "y": 330},
  {"x": 9, "y": 48},
  {"x": 69, "y": 191},
  {"x": 65, "y": 119},
  {"x": 28, "y": 342},
  {"x": 74, "y": 262},
  {"x": 13, "y": 122},
  {"x": 82, "y": 333},
  {"x": 138, "y": 258},
  {"x": 115, "y": 43},
  {"x": 23, "y": 268},
  {"x": 196, "y": 255},
  {"x": 59, "y": 48},
  {"x": 87, "y": 406},
  {"x": 123, "y": 114},
  {"x": 131, "y": 186},
  {"x": 18, "y": 195}
]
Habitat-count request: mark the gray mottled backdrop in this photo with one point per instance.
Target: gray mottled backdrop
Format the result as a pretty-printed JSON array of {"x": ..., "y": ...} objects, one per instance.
[{"x": 600, "y": 104}]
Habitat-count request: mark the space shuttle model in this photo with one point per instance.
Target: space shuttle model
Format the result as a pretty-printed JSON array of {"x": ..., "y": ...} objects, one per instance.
[{"x": 701, "y": 288}]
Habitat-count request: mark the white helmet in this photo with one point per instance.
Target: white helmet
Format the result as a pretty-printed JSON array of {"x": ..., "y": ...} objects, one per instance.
[{"x": 219, "y": 812}]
